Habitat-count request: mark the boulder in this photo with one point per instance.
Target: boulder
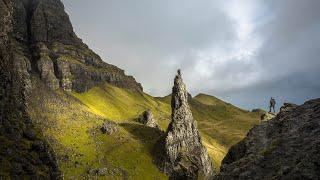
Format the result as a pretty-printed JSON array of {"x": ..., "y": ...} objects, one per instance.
[
  {"x": 147, "y": 119},
  {"x": 109, "y": 127}
]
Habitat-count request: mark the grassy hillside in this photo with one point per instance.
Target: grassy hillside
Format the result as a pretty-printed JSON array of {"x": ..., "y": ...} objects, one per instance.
[
  {"x": 221, "y": 124},
  {"x": 71, "y": 122},
  {"x": 121, "y": 105}
]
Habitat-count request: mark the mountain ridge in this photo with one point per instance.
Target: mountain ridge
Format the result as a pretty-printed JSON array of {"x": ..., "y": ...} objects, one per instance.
[{"x": 52, "y": 50}]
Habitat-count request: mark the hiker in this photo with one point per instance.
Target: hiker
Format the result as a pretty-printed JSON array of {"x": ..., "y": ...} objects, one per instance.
[{"x": 272, "y": 105}]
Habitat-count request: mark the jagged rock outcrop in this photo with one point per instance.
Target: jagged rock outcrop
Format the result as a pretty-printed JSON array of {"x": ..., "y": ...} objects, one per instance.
[
  {"x": 287, "y": 107},
  {"x": 46, "y": 68},
  {"x": 181, "y": 154},
  {"x": 286, "y": 147},
  {"x": 64, "y": 74},
  {"x": 24, "y": 153},
  {"x": 147, "y": 119},
  {"x": 109, "y": 127},
  {"x": 44, "y": 33}
]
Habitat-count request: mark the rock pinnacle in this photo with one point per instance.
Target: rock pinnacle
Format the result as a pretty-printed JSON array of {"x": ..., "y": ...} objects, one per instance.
[{"x": 183, "y": 156}]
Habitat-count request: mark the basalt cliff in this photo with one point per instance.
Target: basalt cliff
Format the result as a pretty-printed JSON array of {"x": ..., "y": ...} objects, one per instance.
[
  {"x": 50, "y": 49},
  {"x": 37, "y": 40},
  {"x": 24, "y": 152}
]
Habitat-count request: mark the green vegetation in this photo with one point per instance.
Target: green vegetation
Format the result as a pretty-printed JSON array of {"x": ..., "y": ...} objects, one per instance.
[
  {"x": 121, "y": 105},
  {"x": 71, "y": 122},
  {"x": 221, "y": 124}
]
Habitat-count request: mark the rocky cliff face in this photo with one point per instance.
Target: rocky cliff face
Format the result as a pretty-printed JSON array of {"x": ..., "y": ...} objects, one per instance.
[
  {"x": 37, "y": 39},
  {"x": 23, "y": 151},
  {"x": 44, "y": 33},
  {"x": 286, "y": 147},
  {"x": 182, "y": 155}
]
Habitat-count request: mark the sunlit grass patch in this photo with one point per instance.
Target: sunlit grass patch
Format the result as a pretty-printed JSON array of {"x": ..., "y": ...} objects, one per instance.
[{"x": 71, "y": 122}]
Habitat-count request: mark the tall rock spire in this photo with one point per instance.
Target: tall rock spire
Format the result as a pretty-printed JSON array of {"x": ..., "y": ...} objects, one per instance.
[{"x": 183, "y": 156}]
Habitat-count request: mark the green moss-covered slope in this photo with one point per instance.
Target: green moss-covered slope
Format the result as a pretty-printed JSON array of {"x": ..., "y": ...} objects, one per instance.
[{"x": 71, "y": 122}]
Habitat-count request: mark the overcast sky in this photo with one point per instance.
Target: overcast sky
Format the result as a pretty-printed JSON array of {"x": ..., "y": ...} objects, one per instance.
[{"x": 242, "y": 51}]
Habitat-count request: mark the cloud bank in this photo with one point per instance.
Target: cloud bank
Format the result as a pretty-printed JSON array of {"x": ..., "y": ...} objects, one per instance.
[{"x": 243, "y": 52}]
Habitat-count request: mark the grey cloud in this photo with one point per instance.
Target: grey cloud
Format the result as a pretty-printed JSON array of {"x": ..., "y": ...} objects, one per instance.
[{"x": 151, "y": 39}]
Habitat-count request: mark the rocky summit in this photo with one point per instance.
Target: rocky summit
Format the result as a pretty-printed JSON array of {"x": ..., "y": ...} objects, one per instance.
[
  {"x": 286, "y": 147},
  {"x": 183, "y": 156},
  {"x": 49, "y": 48}
]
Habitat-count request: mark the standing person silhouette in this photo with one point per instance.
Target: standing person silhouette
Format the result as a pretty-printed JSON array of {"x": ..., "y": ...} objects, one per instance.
[{"x": 272, "y": 105}]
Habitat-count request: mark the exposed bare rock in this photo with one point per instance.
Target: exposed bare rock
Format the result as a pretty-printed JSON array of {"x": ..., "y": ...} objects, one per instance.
[
  {"x": 46, "y": 69},
  {"x": 109, "y": 127},
  {"x": 286, "y": 147},
  {"x": 50, "y": 23},
  {"x": 287, "y": 107},
  {"x": 64, "y": 74},
  {"x": 147, "y": 119},
  {"x": 43, "y": 30},
  {"x": 24, "y": 153},
  {"x": 182, "y": 154}
]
